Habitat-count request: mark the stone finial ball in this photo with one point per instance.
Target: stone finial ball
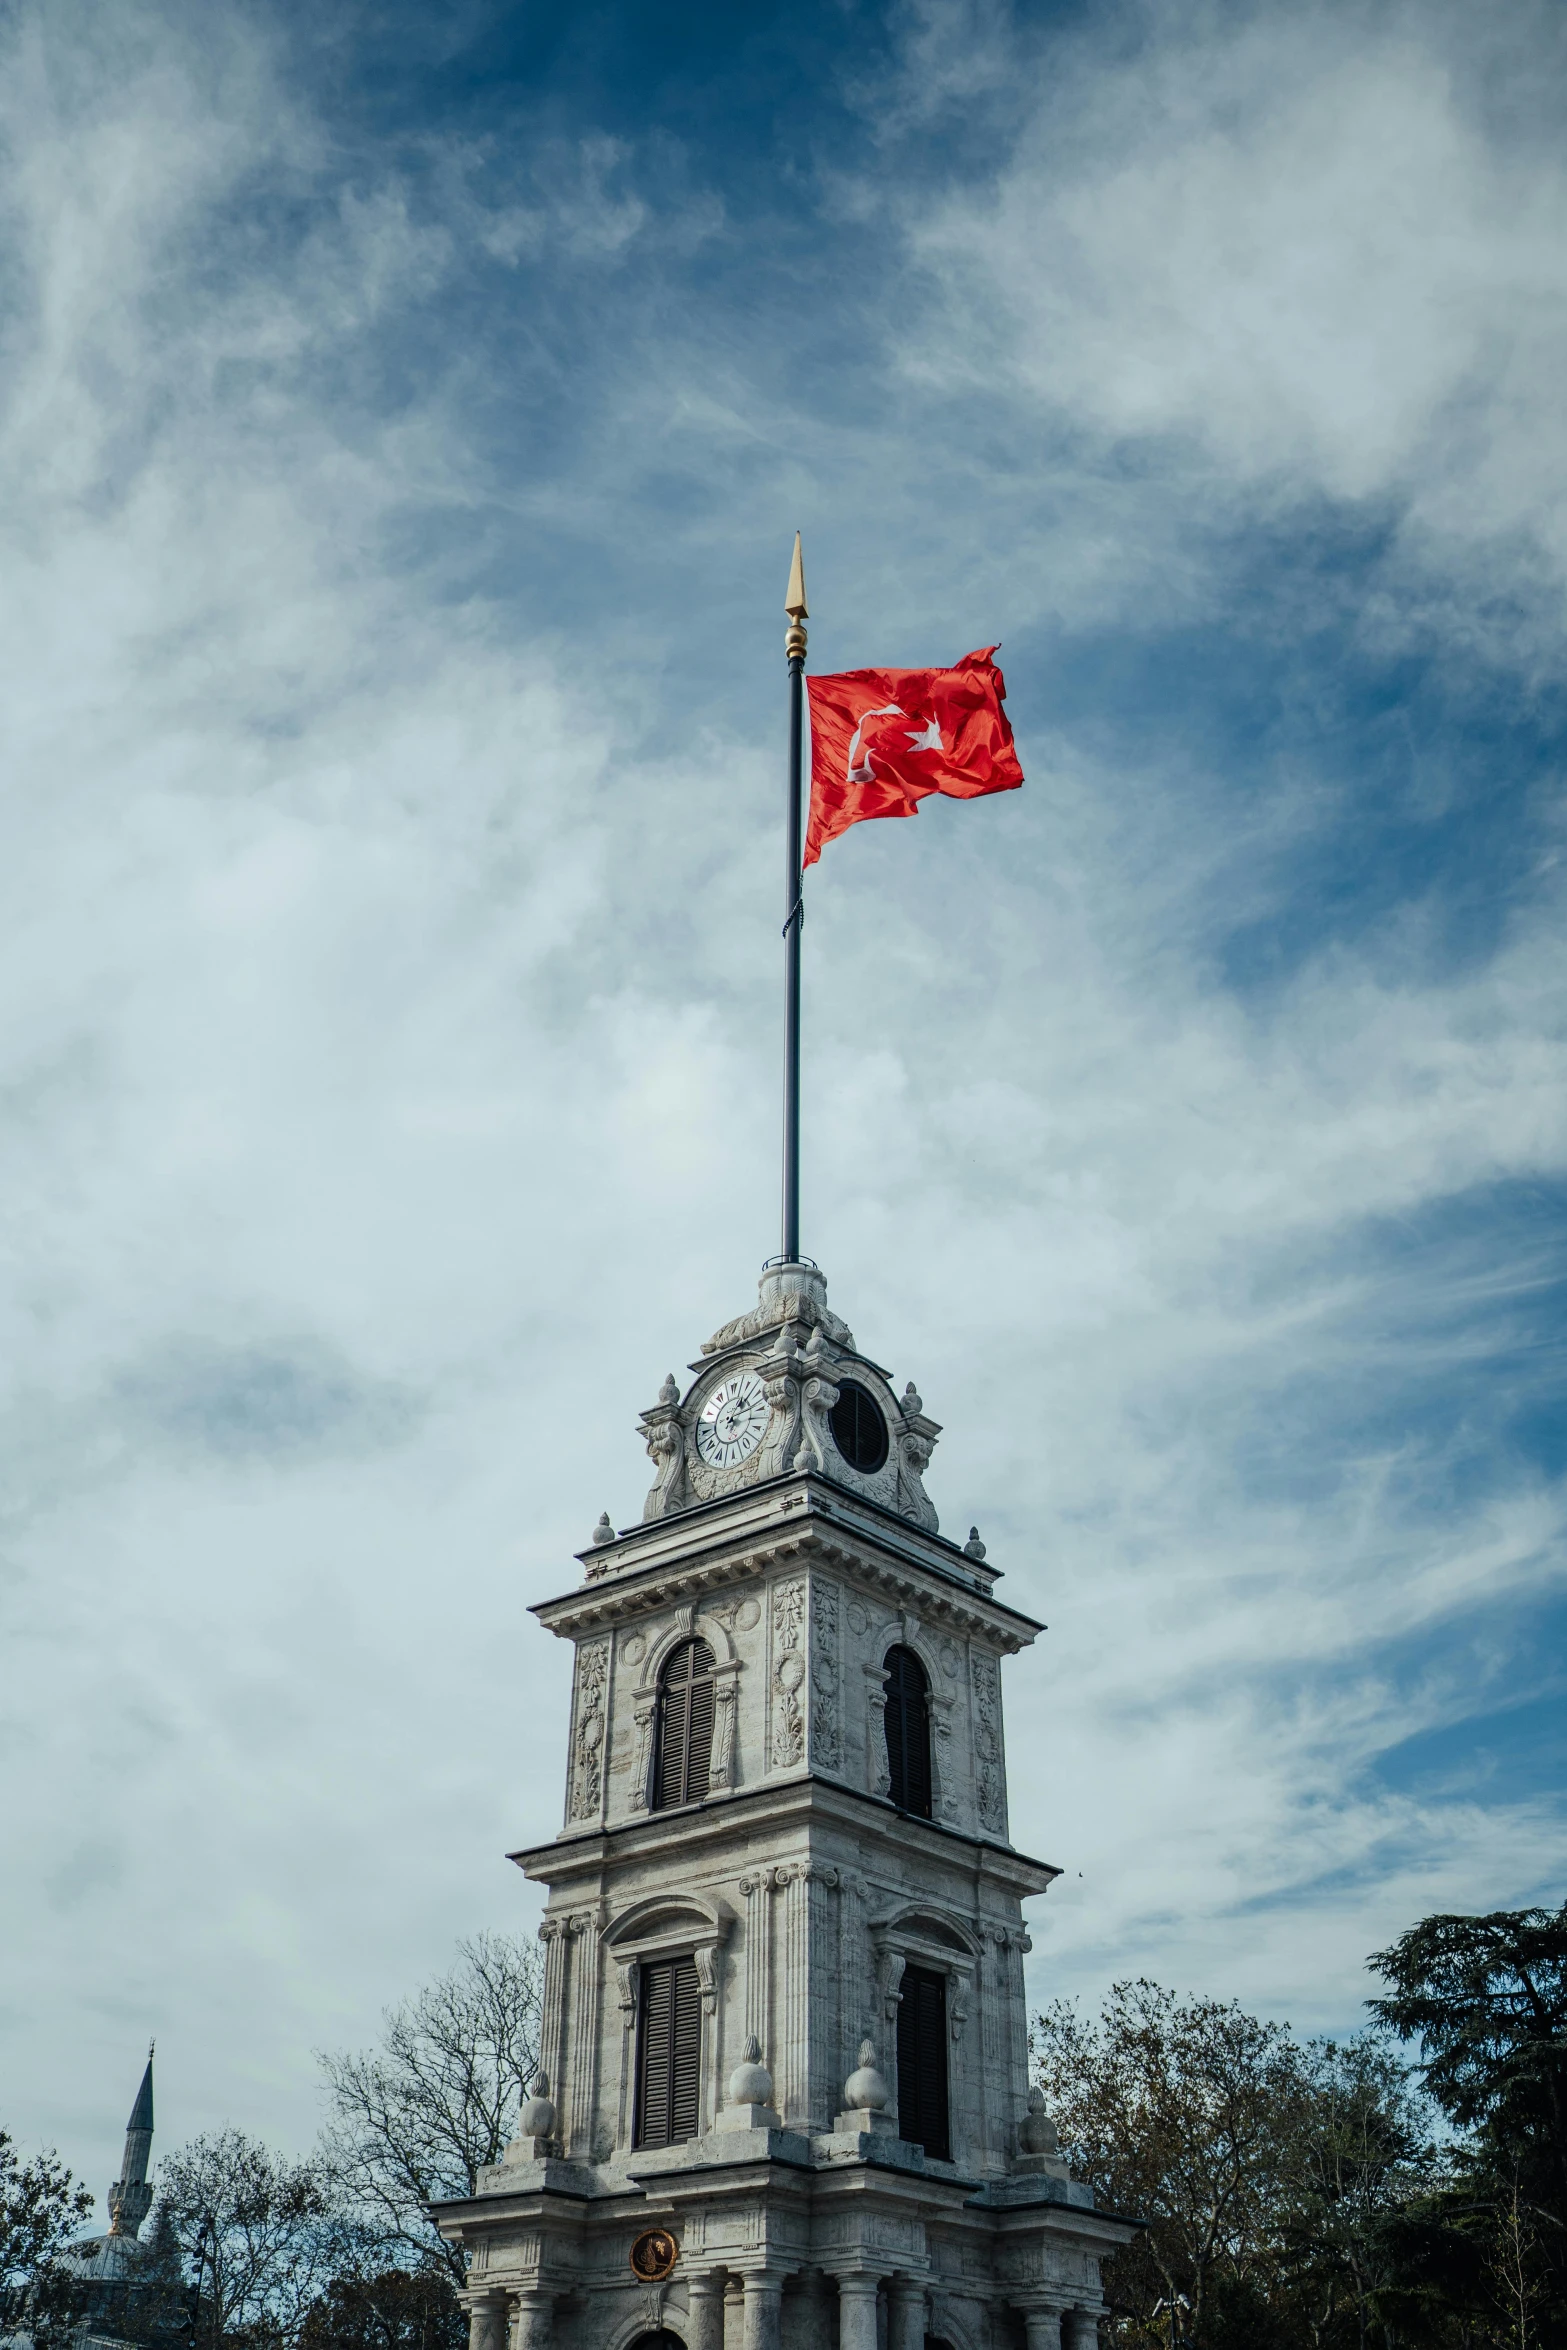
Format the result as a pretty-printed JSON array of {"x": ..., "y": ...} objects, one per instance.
[
  {"x": 751, "y": 2083},
  {"x": 537, "y": 2118},
  {"x": 1038, "y": 2132},
  {"x": 865, "y": 2090}
]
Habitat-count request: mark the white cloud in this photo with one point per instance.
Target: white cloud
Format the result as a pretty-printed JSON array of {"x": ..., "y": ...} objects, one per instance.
[{"x": 1297, "y": 247}]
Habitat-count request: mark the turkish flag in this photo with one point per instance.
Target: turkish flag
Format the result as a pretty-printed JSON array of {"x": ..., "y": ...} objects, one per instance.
[{"x": 883, "y": 739}]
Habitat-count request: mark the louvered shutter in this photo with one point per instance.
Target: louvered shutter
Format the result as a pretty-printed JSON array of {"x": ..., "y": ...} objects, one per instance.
[
  {"x": 922, "y": 2061},
  {"x": 908, "y": 1732},
  {"x": 683, "y": 1751},
  {"x": 669, "y": 2054},
  {"x": 685, "y": 2052},
  {"x": 653, "y": 2066},
  {"x": 699, "y": 1734},
  {"x": 669, "y": 1770}
]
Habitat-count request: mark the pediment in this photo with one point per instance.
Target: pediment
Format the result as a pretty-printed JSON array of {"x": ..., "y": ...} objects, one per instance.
[
  {"x": 920, "y": 1924},
  {"x": 660, "y": 1920}
]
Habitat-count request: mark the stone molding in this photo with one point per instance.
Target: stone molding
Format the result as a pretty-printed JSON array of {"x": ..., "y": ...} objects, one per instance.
[{"x": 618, "y": 1600}]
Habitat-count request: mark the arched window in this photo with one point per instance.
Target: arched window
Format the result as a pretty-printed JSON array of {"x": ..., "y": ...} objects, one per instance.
[
  {"x": 684, "y": 1745},
  {"x": 908, "y": 1732},
  {"x": 858, "y": 1429}
]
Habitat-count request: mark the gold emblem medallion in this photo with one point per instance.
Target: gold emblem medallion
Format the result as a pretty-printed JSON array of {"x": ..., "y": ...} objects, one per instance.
[{"x": 653, "y": 2256}]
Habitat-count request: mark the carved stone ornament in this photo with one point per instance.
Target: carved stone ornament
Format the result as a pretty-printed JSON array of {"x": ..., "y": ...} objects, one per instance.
[
  {"x": 941, "y": 1754},
  {"x": 801, "y": 1383},
  {"x": 666, "y": 1444},
  {"x": 788, "y": 1294},
  {"x": 826, "y": 1745},
  {"x": 587, "y": 1749},
  {"x": 642, "y": 1719},
  {"x": 987, "y": 1741},
  {"x": 816, "y": 1449},
  {"x": 865, "y": 2086},
  {"x": 653, "y": 2256},
  {"x": 721, "y": 1767},
  {"x": 788, "y": 1673},
  {"x": 879, "y": 1764}
]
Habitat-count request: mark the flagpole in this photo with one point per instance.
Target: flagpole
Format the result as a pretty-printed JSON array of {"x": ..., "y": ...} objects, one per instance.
[{"x": 794, "y": 905}]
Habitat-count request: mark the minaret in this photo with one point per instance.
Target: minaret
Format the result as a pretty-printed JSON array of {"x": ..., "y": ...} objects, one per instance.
[
  {"x": 130, "y": 2197},
  {"x": 783, "y": 2100}
]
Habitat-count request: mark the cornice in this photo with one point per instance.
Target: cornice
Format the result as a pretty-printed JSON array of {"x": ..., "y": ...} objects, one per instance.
[
  {"x": 771, "y": 1497},
  {"x": 829, "y": 1531},
  {"x": 751, "y": 1815}
]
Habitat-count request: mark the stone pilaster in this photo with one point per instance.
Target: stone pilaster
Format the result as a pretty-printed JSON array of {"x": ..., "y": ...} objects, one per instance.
[
  {"x": 824, "y": 2084},
  {"x": 758, "y": 1891},
  {"x": 854, "y": 2005},
  {"x": 582, "y": 2055},
  {"x": 792, "y": 2066},
  {"x": 552, "y": 2036}
]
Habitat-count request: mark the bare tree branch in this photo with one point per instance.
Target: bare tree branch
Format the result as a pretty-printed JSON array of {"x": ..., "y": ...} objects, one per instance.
[{"x": 416, "y": 2119}]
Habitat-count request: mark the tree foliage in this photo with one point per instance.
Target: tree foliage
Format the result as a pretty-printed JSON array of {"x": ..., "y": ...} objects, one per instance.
[
  {"x": 41, "y": 2210},
  {"x": 392, "y": 2309},
  {"x": 159, "y": 2309},
  {"x": 1362, "y": 2155},
  {"x": 1485, "y": 2000},
  {"x": 1307, "y": 2196},
  {"x": 1267, "y": 2170},
  {"x": 260, "y": 2237},
  {"x": 414, "y": 2120}
]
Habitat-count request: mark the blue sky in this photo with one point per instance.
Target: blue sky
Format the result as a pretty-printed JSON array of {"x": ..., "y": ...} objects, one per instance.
[{"x": 404, "y": 418}]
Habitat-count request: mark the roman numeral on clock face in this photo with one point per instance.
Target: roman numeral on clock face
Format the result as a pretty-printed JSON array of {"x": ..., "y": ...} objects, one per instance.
[{"x": 732, "y": 1420}]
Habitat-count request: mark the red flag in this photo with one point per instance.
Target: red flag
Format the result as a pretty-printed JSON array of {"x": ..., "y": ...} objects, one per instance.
[{"x": 883, "y": 739}]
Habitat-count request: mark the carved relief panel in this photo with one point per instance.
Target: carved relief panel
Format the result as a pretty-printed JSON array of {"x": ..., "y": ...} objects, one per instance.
[
  {"x": 786, "y": 1684},
  {"x": 990, "y": 1793},
  {"x": 589, "y": 1717}
]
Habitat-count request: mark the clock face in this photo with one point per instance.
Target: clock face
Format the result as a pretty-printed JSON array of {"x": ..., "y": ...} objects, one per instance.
[{"x": 732, "y": 1420}]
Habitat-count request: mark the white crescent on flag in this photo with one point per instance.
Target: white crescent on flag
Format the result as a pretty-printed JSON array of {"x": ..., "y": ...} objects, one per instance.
[{"x": 926, "y": 737}]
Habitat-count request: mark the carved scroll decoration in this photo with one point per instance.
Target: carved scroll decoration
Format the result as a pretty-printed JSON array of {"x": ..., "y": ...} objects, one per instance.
[
  {"x": 587, "y": 1746},
  {"x": 987, "y": 1741},
  {"x": 826, "y": 1747},
  {"x": 788, "y": 1744}
]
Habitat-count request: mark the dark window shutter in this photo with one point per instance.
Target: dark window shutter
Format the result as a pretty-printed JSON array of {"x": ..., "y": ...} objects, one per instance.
[
  {"x": 908, "y": 1732},
  {"x": 685, "y": 2052},
  {"x": 669, "y": 2052},
  {"x": 653, "y": 2068},
  {"x": 922, "y": 2061},
  {"x": 699, "y": 1736},
  {"x": 683, "y": 1748}
]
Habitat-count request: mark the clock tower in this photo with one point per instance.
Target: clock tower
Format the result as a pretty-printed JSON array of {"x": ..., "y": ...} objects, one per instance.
[{"x": 784, "y": 2099}]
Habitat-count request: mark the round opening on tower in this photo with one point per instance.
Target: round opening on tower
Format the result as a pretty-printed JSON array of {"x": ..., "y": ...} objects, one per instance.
[{"x": 858, "y": 1429}]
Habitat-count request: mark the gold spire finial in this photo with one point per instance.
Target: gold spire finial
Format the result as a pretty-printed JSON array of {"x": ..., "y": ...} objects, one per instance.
[{"x": 796, "y": 606}]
